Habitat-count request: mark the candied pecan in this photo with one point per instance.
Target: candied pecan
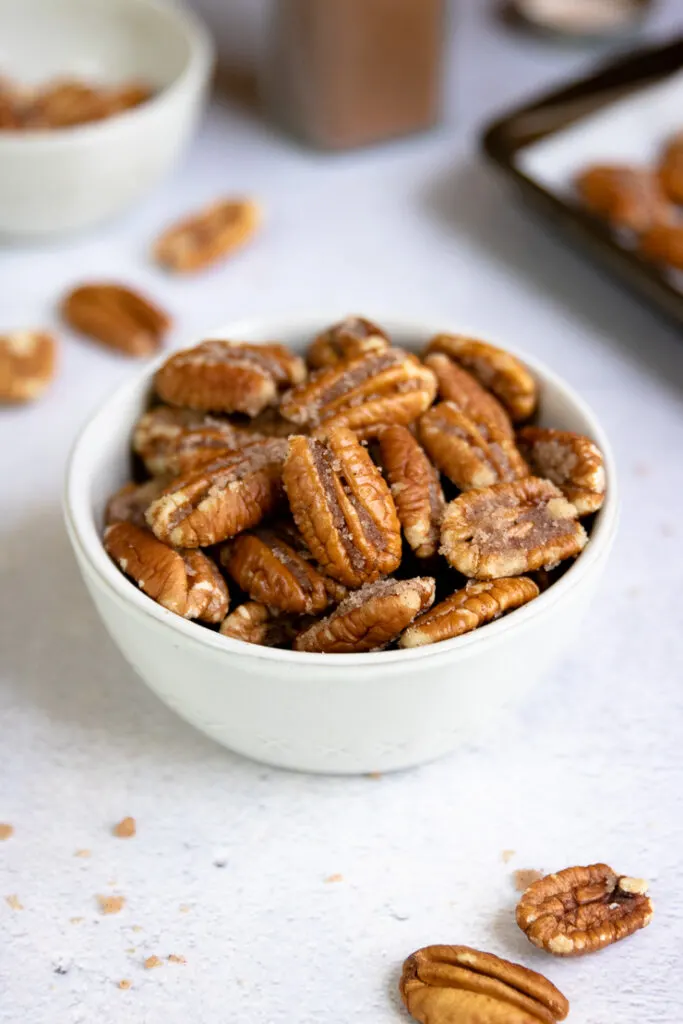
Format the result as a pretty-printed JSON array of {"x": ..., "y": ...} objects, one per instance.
[
  {"x": 365, "y": 394},
  {"x": 343, "y": 507},
  {"x": 130, "y": 503},
  {"x": 65, "y": 103},
  {"x": 663, "y": 243},
  {"x": 510, "y": 529},
  {"x": 10, "y": 113},
  {"x": 255, "y": 624},
  {"x": 210, "y": 235},
  {"x": 369, "y": 618},
  {"x": 671, "y": 168},
  {"x": 572, "y": 461},
  {"x": 27, "y": 364},
  {"x": 186, "y": 582},
  {"x": 228, "y": 376},
  {"x": 583, "y": 909},
  {"x": 116, "y": 316},
  {"x": 495, "y": 369},
  {"x": 173, "y": 441},
  {"x": 415, "y": 488},
  {"x": 272, "y": 572},
  {"x": 624, "y": 196},
  {"x": 351, "y": 337},
  {"x": 466, "y": 393},
  {"x": 126, "y": 97},
  {"x": 449, "y": 984},
  {"x": 460, "y": 450},
  {"x": 467, "y": 609},
  {"x": 220, "y": 498}
]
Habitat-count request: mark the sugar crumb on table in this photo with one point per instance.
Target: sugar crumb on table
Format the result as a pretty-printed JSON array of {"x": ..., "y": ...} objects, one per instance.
[
  {"x": 151, "y": 962},
  {"x": 83, "y": 853},
  {"x": 524, "y": 877},
  {"x": 175, "y": 958},
  {"x": 14, "y": 902},
  {"x": 507, "y": 855},
  {"x": 125, "y": 829},
  {"x": 125, "y": 983},
  {"x": 335, "y": 878},
  {"x": 6, "y": 831},
  {"x": 111, "y": 904}
]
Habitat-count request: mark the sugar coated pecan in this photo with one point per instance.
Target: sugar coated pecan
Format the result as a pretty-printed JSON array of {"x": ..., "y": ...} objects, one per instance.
[
  {"x": 460, "y": 450},
  {"x": 583, "y": 909},
  {"x": 369, "y": 618},
  {"x": 171, "y": 440},
  {"x": 185, "y": 582},
  {"x": 495, "y": 369},
  {"x": 255, "y": 624},
  {"x": 469, "y": 608},
  {"x": 510, "y": 529},
  {"x": 27, "y": 365},
  {"x": 365, "y": 394},
  {"x": 671, "y": 168},
  {"x": 572, "y": 461},
  {"x": 130, "y": 503},
  {"x": 64, "y": 103},
  {"x": 274, "y": 573},
  {"x": 663, "y": 243},
  {"x": 466, "y": 393},
  {"x": 460, "y": 985},
  {"x": 117, "y": 316},
  {"x": 624, "y": 196},
  {"x": 212, "y": 234},
  {"x": 343, "y": 507},
  {"x": 348, "y": 339},
  {"x": 219, "y": 499},
  {"x": 415, "y": 488},
  {"x": 228, "y": 376}
]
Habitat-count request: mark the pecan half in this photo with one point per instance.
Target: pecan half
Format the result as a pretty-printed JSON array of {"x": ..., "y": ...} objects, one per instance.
[
  {"x": 365, "y": 394},
  {"x": 64, "y": 103},
  {"x": 130, "y": 503},
  {"x": 27, "y": 365},
  {"x": 495, "y": 369},
  {"x": 272, "y": 572},
  {"x": 583, "y": 909},
  {"x": 466, "y": 393},
  {"x": 118, "y": 317},
  {"x": 255, "y": 624},
  {"x": 170, "y": 440},
  {"x": 663, "y": 243},
  {"x": 624, "y": 196},
  {"x": 460, "y": 450},
  {"x": 510, "y": 529},
  {"x": 671, "y": 168},
  {"x": 370, "y": 618},
  {"x": 348, "y": 339},
  {"x": 572, "y": 461},
  {"x": 210, "y": 235},
  {"x": 415, "y": 488},
  {"x": 467, "y": 609},
  {"x": 449, "y": 984},
  {"x": 228, "y": 376},
  {"x": 220, "y": 498},
  {"x": 343, "y": 507},
  {"x": 186, "y": 582}
]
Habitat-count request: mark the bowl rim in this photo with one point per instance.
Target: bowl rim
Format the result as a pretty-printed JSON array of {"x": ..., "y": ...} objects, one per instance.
[
  {"x": 200, "y": 59},
  {"x": 86, "y": 536}
]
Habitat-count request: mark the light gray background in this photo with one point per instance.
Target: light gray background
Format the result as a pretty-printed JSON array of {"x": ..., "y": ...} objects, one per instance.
[{"x": 589, "y": 769}]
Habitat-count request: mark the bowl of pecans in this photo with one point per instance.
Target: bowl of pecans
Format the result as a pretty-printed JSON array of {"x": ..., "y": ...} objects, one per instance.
[
  {"x": 98, "y": 99},
  {"x": 342, "y": 548}
]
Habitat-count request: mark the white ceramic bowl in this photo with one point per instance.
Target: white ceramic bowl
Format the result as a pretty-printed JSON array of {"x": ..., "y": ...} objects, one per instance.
[
  {"x": 335, "y": 712},
  {"x": 57, "y": 181}
]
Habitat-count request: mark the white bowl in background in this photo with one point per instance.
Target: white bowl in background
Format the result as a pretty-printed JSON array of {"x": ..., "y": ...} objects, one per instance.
[
  {"x": 336, "y": 713},
  {"x": 56, "y": 181}
]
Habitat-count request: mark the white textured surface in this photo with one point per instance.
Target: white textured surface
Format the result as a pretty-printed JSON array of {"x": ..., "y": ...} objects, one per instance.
[{"x": 591, "y": 769}]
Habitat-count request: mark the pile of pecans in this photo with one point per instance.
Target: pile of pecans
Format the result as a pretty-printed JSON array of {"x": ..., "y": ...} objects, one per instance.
[
  {"x": 342, "y": 495},
  {"x": 65, "y": 103}
]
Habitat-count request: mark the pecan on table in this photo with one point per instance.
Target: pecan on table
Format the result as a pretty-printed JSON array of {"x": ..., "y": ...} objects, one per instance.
[
  {"x": 466, "y": 393},
  {"x": 583, "y": 909},
  {"x": 573, "y": 463},
  {"x": 255, "y": 624},
  {"x": 663, "y": 243},
  {"x": 210, "y": 235},
  {"x": 342, "y": 507},
  {"x": 415, "y": 488},
  {"x": 369, "y": 618},
  {"x": 467, "y": 456},
  {"x": 116, "y": 316},
  {"x": 459, "y": 985},
  {"x": 228, "y": 376},
  {"x": 348, "y": 339},
  {"x": 623, "y": 196},
  {"x": 274, "y": 573},
  {"x": 494, "y": 368},
  {"x": 27, "y": 365},
  {"x": 129, "y": 504},
  {"x": 467, "y": 609},
  {"x": 671, "y": 168},
  {"x": 220, "y": 498},
  {"x": 185, "y": 582},
  {"x": 365, "y": 394},
  {"x": 510, "y": 529}
]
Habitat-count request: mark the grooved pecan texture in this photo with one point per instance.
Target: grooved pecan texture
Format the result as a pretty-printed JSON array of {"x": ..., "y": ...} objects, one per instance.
[
  {"x": 253, "y": 623},
  {"x": 118, "y": 317},
  {"x": 415, "y": 488},
  {"x": 468, "y": 396},
  {"x": 462, "y": 452},
  {"x": 570, "y": 460},
  {"x": 352, "y": 337},
  {"x": 206, "y": 237}
]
